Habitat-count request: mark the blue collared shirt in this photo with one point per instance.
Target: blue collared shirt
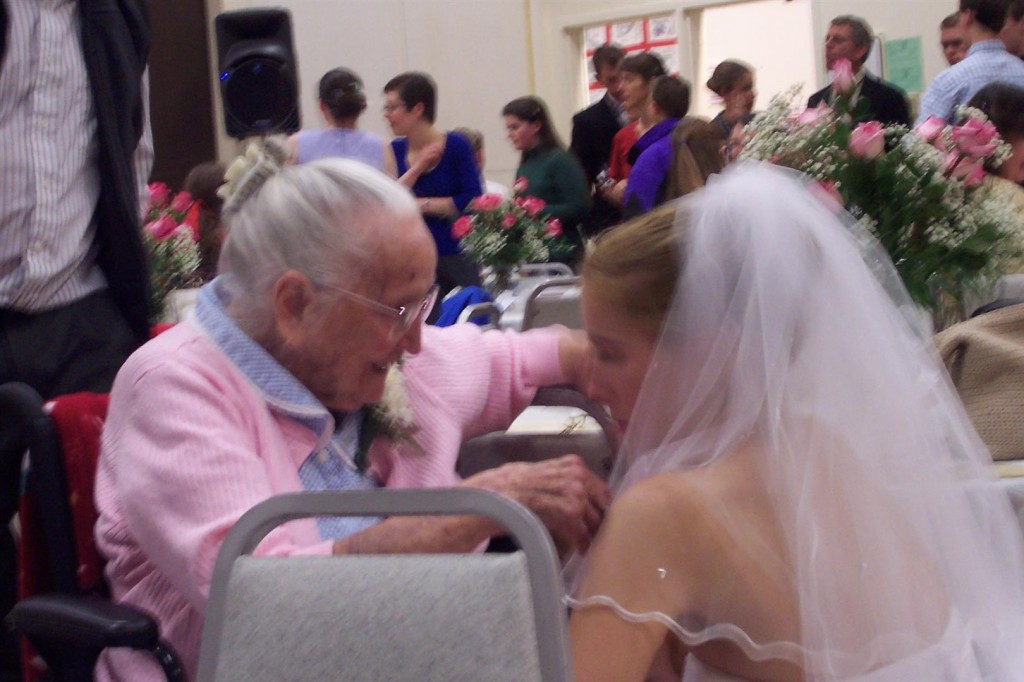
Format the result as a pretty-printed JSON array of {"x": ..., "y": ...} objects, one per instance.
[
  {"x": 330, "y": 466},
  {"x": 986, "y": 62}
]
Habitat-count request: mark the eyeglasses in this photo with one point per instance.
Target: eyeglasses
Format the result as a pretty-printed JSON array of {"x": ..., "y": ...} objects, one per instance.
[
  {"x": 388, "y": 108},
  {"x": 403, "y": 317}
]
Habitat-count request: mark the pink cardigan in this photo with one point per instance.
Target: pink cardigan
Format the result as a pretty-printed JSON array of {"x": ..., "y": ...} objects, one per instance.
[{"x": 189, "y": 445}]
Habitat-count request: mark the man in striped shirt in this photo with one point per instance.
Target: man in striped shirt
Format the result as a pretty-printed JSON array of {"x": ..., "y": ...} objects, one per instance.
[
  {"x": 75, "y": 151},
  {"x": 74, "y": 163}
]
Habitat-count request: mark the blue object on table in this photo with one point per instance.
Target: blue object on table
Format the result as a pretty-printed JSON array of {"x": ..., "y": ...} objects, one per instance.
[{"x": 455, "y": 303}]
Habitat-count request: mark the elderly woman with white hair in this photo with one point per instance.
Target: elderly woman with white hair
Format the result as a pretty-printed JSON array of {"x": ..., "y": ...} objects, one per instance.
[{"x": 275, "y": 385}]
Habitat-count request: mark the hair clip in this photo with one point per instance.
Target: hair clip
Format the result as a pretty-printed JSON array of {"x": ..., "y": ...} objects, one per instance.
[{"x": 248, "y": 173}]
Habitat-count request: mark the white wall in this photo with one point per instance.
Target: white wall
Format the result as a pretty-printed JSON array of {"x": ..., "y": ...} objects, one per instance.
[{"x": 476, "y": 50}]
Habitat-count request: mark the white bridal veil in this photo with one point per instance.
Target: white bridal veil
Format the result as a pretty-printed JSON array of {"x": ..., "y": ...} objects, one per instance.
[{"x": 791, "y": 337}]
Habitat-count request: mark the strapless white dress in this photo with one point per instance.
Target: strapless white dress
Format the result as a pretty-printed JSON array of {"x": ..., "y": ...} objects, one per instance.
[{"x": 952, "y": 659}]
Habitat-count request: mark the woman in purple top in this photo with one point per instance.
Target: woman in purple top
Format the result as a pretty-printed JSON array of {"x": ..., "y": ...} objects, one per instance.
[
  {"x": 651, "y": 155},
  {"x": 342, "y": 100},
  {"x": 438, "y": 166}
]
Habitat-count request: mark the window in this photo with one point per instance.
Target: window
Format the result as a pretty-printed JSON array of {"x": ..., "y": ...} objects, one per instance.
[
  {"x": 776, "y": 38},
  {"x": 650, "y": 34}
]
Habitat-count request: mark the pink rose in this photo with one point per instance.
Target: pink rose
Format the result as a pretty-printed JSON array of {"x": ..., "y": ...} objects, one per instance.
[
  {"x": 162, "y": 228},
  {"x": 532, "y": 205},
  {"x": 486, "y": 202},
  {"x": 508, "y": 221},
  {"x": 809, "y": 117},
  {"x": 842, "y": 77},
  {"x": 520, "y": 185},
  {"x": 462, "y": 227},
  {"x": 970, "y": 170},
  {"x": 975, "y": 138},
  {"x": 867, "y": 141},
  {"x": 159, "y": 194},
  {"x": 976, "y": 175},
  {"x": 930, "y": 129},
  {"x": 181, "y": 202},
  {"x": 553, "y": 228}
]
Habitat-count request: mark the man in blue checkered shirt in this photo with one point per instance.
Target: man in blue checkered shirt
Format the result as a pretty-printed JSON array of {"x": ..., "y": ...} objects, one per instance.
[{"x": 987, "y": 61}]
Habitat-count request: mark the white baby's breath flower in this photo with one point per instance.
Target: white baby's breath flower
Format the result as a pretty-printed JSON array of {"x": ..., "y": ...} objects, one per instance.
[{"x": 394, "y": 405}]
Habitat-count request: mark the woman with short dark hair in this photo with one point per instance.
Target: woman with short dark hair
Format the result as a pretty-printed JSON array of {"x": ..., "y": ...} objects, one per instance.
[{"x": 437, "y": 165}]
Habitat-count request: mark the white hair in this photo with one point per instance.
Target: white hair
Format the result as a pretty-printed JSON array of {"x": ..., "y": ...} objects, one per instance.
[{"x": 321, "y": 219}]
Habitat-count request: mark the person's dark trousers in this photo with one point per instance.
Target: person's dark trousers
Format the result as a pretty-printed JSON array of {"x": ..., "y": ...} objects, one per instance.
[
  {"x": 78, "y": 347},
  {"x": 602, "y": 216}
]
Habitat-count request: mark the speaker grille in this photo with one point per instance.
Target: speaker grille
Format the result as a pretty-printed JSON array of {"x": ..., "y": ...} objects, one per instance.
[
  {"x": 259, "y": 96},
  {"x": 258, "y": 75}
]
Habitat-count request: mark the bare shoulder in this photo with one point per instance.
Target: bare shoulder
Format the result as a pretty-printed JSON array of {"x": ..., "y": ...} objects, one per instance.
[
  {"x": 666, "y": 495},
  {"x": 663, "y": 513}
]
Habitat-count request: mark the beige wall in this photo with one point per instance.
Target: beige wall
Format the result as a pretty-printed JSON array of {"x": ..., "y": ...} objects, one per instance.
[
  {"x": 485, "y": 52},
  {"x": 476, "y": 50}
]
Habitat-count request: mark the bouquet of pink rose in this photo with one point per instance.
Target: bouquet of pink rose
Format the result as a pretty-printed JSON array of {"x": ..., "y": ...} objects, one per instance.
[
  {"x": 919, "y": 192},
  {"x": 503, "y": 233},
  {"x": 172, "y": 244}
]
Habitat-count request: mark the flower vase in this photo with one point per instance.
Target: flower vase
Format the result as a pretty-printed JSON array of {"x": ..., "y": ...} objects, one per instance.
[{"x": 498, "y": 278}]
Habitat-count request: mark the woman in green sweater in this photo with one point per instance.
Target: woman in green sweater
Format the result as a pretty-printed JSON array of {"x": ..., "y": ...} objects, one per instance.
[{"x": 551, "y": 173}]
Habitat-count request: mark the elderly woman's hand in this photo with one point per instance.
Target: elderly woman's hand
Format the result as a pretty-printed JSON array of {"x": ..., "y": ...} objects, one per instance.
[{"x": 563, "y": 492}]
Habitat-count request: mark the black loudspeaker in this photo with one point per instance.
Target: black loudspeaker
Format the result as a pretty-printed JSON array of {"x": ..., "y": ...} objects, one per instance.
[{"x": 259, "y": 83}]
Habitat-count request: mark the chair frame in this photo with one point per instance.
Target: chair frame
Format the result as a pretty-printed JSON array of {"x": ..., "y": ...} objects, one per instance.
[
  {"x": 479, "y": 309},
  {"x": 522, "y": 525},
  {"x": 530, "y": 310},
  {"x": 544, "y": 270},
  {"x": 68, "y": 629}
]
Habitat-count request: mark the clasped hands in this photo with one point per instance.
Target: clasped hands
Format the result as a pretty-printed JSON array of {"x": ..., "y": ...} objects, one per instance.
[{"x": 567, "y": 497}]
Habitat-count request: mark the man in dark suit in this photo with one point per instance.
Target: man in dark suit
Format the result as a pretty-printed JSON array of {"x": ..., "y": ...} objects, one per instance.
[
  {"x": 849, "y": 38},
  {"x": 592, "y": 133}
]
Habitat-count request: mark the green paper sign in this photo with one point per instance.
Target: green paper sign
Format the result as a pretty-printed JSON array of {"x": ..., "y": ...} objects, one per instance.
[{"x": 904, "y": 65}]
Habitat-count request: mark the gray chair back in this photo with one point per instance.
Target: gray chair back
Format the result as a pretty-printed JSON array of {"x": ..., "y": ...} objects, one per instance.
[
  {"x": 386, "y": 617},
  {"x": 556, "y": 301},
  {"x": 476, "y": 310}
]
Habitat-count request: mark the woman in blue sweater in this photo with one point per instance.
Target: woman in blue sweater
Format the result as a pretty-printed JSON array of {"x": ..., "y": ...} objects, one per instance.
[{"x": 438, "y": 166}]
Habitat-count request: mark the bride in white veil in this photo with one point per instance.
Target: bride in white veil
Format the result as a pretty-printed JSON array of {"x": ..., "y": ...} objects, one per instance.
[{"x": 799, "y": 493}]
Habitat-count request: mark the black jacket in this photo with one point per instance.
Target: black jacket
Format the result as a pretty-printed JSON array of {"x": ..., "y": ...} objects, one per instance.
[
  {"x": 885, "y": 102},
  {"x": 115, "y": 44},
  {"x": 592, "y": 132}
]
